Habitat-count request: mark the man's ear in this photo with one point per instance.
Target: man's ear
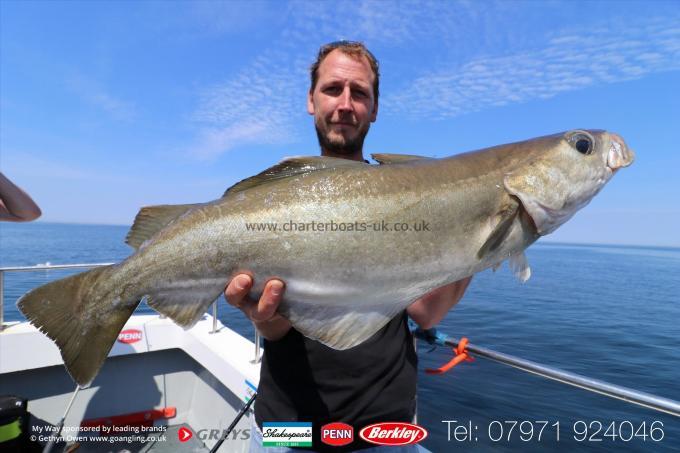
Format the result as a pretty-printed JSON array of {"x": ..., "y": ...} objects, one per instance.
[
  {"x": 310, "y": 103},
  {"x": 375, "y": 112}
]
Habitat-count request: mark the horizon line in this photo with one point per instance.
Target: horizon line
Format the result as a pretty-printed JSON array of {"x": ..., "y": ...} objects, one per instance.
[{"x": 543, "y": 242}]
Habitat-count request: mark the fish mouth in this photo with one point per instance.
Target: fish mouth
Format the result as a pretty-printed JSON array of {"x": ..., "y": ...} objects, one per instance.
[{"x": 619, "y": 154}]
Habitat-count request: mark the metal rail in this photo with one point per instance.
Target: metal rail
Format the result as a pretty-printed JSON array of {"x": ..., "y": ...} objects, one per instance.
[
  {"x": 38, "y": 267},
  {"x": 42, "y": 267},
  {"x": 47, "y": 266},
  {"x": 647, "y": 400}
]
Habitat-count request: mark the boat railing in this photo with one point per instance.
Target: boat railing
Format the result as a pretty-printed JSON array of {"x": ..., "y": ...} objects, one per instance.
[{"x": 48, "y": 266}]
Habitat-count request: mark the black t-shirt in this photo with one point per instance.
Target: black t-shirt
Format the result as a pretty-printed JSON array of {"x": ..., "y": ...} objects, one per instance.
[{"x": 304, "y": 380}]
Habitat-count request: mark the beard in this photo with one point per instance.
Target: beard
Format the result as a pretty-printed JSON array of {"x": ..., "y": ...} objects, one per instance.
[{"x": 341, "y": 145}]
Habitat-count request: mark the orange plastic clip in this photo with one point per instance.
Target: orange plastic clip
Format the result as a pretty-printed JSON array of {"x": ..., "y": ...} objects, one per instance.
[{"x": 461, "y": 355}]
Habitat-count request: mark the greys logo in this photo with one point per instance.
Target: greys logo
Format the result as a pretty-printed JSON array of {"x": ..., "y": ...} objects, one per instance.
[{"x": 216, "y": 434}]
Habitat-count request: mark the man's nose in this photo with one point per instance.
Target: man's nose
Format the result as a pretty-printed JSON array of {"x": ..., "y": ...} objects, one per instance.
[{"x": 346, "y": 100}]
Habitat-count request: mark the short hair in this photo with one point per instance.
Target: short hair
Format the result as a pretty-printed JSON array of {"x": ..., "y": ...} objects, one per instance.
[{"x": 354, "y": 49}]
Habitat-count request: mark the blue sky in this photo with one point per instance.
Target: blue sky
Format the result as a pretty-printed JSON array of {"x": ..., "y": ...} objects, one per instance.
[{"x": 109, "y": 106}]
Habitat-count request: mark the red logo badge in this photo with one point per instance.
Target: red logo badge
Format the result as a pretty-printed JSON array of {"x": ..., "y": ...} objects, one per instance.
[
  {"x": 393, "y": 433},
  {"x": 130, "y": 336},
  {"x": 184, "y": 434},
  {"x": 337, "y": 434}
]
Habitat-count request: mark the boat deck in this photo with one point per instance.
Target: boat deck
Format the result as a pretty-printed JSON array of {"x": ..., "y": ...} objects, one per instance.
[{"x": 195, "y": 379}]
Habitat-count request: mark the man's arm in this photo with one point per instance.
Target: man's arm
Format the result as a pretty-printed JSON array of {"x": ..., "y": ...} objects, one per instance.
[
  {"x": 262, "y": 313},
  {"x": 433, "y": 306},
  {"x": 15, "y": 204}
]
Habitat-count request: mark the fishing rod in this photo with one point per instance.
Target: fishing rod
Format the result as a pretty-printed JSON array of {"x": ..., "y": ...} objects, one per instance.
[
  {"x": 240, "y": 415},
  {"x": 666, "y": 405},
  {"x": 60, "y": 424}
]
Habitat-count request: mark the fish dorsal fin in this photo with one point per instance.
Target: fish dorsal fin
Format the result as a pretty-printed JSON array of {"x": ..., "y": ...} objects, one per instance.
[
  {"x": 151, "y": 219},
  {"x": 383, "y": 158},
  {"x": 292, "y": 166},
  {"x": 495, "y": 239}
]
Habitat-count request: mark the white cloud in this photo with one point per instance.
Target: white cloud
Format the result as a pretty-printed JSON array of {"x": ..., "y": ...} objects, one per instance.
[
  {"x": 264, "y": 102},
  {"x": 567, "y": 62},
  {"x": 255, "y": 107},
  {"x": 94, "y": 94},
  {"x": 212, "y": 142}
]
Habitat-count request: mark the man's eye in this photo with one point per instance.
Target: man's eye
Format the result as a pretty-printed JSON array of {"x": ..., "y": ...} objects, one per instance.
[
  {"x": 332, "y": 90},
  {"x": 360, "y": 94}
]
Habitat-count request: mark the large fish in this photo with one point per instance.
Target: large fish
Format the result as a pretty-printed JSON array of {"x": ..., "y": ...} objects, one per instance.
[{"x": 355, "y": 243}]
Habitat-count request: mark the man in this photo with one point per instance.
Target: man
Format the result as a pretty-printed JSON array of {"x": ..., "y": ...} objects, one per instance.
[
  {"x": 301, "y": 379},
  {"x": 15, "y": 204}
]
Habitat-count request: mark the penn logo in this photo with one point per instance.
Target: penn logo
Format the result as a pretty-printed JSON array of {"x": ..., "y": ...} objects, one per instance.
[
  {"x": 337, "y": 434},
  {"x": 130, "y": 336},
  {"x": 393, "y": 433}
]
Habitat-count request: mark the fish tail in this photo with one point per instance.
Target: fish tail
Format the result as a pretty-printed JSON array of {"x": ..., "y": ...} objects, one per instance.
[{"x": 82, "y": 316}]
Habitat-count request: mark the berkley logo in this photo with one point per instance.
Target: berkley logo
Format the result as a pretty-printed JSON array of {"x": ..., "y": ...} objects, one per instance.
[
  {"x": 130, "y": 336},
  {"x": 393, "y": 433},
  {"x": 337, "y": 434}
]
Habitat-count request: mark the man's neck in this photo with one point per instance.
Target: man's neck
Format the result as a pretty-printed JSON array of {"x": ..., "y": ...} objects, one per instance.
[{"x": 358, "y": 155}]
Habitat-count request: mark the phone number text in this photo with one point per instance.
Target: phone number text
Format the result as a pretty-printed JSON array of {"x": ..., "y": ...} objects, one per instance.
[{"x": 554, "y": 431}]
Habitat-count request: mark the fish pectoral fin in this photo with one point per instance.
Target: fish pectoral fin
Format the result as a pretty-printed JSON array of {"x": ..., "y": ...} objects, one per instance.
[
  {"x": 339, "y": 327},
  {"x": 383, "y": 158},
  {"x": 292, "y": 166},
  {"x": 495, "y": 239},
  {"x": 520, "y": 266},
  {"x": 151, "y": 219},
  {"x": 185, "y": 306}
]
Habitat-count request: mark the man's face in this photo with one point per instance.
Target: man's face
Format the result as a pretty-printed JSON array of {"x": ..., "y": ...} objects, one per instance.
[{"x": 343, "y": 103}]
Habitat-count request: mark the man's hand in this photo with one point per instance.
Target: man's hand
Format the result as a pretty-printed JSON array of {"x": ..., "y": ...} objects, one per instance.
[
  {"x": 15, "y": 204},
  {"x": 262, "y": 313}
]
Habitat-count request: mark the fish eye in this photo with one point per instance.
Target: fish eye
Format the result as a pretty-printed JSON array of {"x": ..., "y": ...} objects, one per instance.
[{"x": 582, "y": 143}]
